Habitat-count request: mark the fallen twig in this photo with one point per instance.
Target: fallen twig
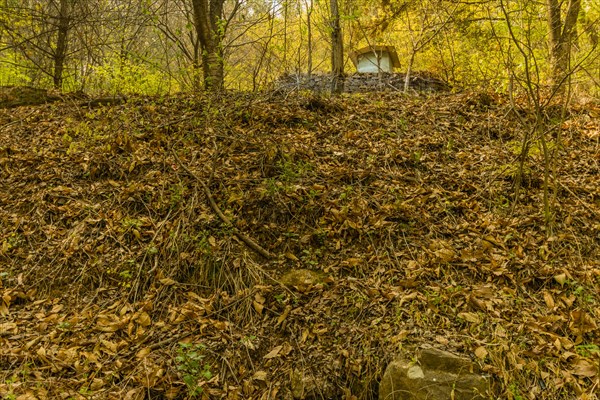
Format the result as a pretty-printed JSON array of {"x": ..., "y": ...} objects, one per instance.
[{"x": 213, "y": 204}]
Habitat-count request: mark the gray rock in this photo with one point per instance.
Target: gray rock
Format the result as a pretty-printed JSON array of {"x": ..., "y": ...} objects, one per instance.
[
  {"x": 438, "y": 375},
  {"x": 361, "y": 83}
]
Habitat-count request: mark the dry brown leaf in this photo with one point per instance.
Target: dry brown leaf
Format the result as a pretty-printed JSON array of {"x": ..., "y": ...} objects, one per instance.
[
  {"x": 581, "y": 322},
  {"x": 143, "y": 352},
  {"x": 258, "y": 307},
  {"x": 561, "y": 279},
  {"x": 144, "y": 319},
  {"x": 470, "y": 317},
  {"x": 481, "y": 352},
  {"x": 283, "y": 315},
  {"x": 273, "y": 353},
  {"x": 260, "y": 376},
  {"x": 549, "y": 300},
  {"x": 167, "y": 281},
  {"x": 585, "y": 368},
  {"x": 445, "y": 255}
]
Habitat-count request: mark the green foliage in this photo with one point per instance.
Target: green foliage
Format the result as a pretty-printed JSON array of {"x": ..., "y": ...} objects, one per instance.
[
  {"x": 11, "y": 72},
  {"x": 123, "y": 75},
  {"x": 193, "y": 370},
  {"x": 467, "y": 42},
  {"x": 176, "y": 195},
  {"x": 514, "y": 390},
  {"x": 291, "y": 171},
  {"x": 587, "y": 350}
]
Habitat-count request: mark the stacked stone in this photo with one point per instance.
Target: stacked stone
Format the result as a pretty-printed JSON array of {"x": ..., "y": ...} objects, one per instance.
[{"x": 360, "y": 83}]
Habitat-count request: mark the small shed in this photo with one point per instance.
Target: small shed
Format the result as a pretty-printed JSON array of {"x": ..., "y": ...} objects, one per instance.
[{"x": 375, "y": 59}]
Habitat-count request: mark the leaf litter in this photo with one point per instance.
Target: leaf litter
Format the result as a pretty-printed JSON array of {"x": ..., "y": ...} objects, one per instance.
[{"x": 118, "y": 278}]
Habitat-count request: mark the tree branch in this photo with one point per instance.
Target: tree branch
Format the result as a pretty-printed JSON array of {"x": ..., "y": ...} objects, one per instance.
[{"x": 213, "y": 204}]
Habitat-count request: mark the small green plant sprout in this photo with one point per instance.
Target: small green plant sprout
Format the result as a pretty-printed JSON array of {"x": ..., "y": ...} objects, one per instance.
[
  {"x": 280, "y": 298},
  {"x": 587, "y": 350},
  {"x": 417, "y": 156},
  {"x": 193, "y": 370},
  {"x": 64, "y": 326},
  {"x": 125, "y": 274}
]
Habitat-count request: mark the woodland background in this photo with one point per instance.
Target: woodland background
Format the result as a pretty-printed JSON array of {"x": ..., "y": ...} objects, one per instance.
[{"x": 167, "y": 46}]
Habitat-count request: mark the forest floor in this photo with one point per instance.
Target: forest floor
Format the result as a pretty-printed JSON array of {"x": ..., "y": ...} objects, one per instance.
[{"x": 119, "y": 280}]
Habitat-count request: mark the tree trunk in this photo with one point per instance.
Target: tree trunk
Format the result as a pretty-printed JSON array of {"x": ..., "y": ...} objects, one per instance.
[
  {"x": 210, "y": 30},
  {"x": 409, "y": 66},
  {"x": 337, "y": 50},
  {"x": 212, "y": 67},
  {"x": 561, "y": 37},
  {"x": 309, "y": 39},
  {"x": 60, "y": 53}
]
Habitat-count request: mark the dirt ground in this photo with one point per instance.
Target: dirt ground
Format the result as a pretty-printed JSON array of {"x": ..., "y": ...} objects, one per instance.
[{"x": 125, "y": 271}]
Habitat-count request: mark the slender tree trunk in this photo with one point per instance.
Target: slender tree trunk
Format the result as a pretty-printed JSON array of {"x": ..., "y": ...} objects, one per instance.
[
  {"x": 309, "y": 37},
  {"x": 209, "y": 28},
  {"x": 561, "y": 37},
  {"x": 285, "y": 38},
  {"x": 60, "y": 53},
  {"x": 337, "y": 50},
  {"x": 409, "y": 66}
]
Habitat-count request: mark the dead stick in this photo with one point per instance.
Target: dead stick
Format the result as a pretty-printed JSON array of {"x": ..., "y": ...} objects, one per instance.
[{"x": 213, "y": 204}]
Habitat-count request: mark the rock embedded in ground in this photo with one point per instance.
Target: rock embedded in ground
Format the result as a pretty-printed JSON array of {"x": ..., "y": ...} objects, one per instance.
[
  {"x": 15, "y": 96},
  {"x": 438, "y": 375},
  {"x": 302, "y": 279}
]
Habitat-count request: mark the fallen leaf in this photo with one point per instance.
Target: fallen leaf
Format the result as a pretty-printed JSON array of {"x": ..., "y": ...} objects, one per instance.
[
  {"x": 561, "y": 279},
  {"x": 481, "y": 352},
  {"x": 273, "y": 353},
  {"x": 585, "y": 368},
  {"x": 470, "y": 317},
  {"x": 143, "y": 352},
  {"x": 167, "y": 281}
]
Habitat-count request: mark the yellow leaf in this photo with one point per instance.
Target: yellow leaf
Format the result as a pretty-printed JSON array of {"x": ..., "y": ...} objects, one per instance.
[
  {"x": 41, "y": 352},
  {"x": 283, "y": 315},
  {"x": 167, "y": 281},
  {"x": 258, "y": 307},
  {"x": 110, "y": 346},
  {"x": 273, "y": 353},
  {"x": 470, "y": 317},
  {"x": 352, "y": 262},
  {"x": 3, "y": 309},
  {"x": 260, "y": 376},
  {"x": 212, "y": 241},
  {"x": 97, "y": 384},
  {"x": 144, "y": 319},
  {"x": 561, "y": 278},
  {"x": 143, "y": 352},
  {"x": 56, "y": 308},
  {"x": 9, "y": 327},
  {"x": 259, "y": 298},
  {"x": 549, "y": 300},
  {"x": 481, "y": 352},
  {"x": 290, "y": 256}
]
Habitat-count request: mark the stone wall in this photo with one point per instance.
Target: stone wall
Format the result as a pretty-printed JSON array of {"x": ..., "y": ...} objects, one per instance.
[{"x": 360, "y": 83}]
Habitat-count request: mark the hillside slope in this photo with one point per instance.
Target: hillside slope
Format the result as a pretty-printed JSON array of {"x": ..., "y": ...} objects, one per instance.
[{"x": 120, "y": 280}]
